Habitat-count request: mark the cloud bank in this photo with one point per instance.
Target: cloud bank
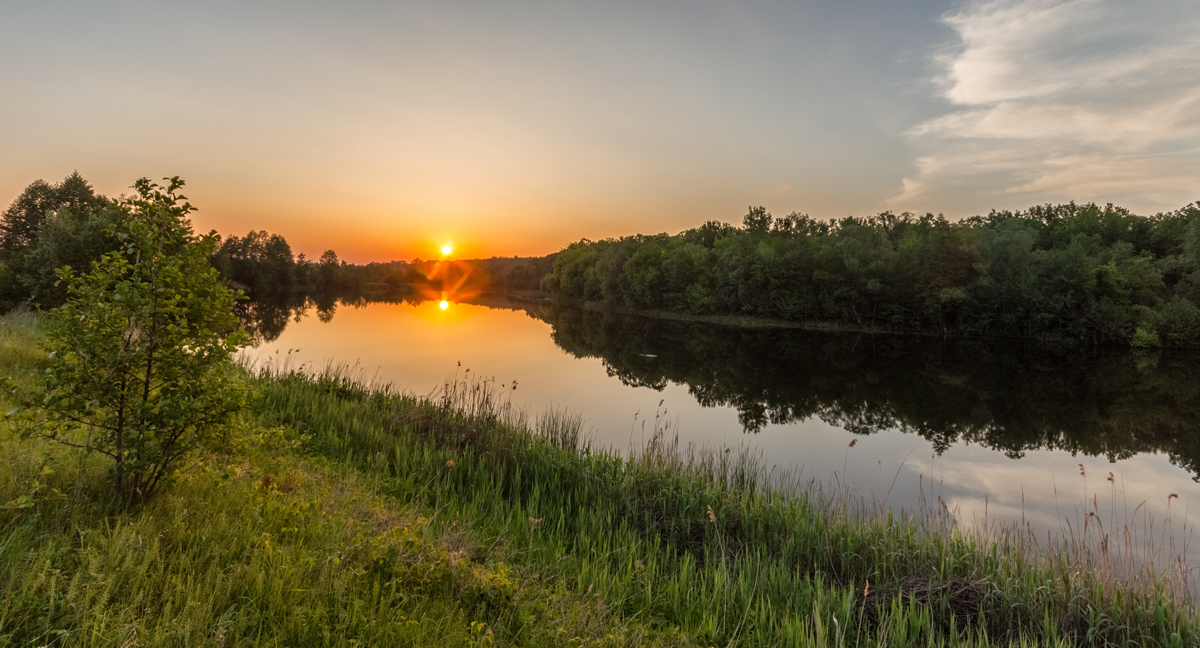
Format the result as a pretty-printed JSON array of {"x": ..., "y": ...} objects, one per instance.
[{"x": 1053, "y": 100}]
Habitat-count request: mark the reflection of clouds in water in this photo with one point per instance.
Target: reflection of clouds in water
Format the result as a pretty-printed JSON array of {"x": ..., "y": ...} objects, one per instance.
[{"x": 1046, "y": 490}]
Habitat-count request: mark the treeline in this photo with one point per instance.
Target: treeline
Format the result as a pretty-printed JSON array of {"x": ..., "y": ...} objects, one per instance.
[
  {"x": 1064, "y": 272},
  {"x": 262, "y": 264},
  {"x": 50, "y": 226}
]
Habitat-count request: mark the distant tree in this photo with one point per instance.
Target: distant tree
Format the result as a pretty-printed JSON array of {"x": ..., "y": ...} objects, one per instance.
[
  {"x": 48, "y": 227},
  {"x": 327, "y": 271},
  {"x": 259, "y": 260},
  {"x": 71, "y": 237},
  {"x": 141, "y": 368},
  {"x": 757, "y": 220},
  {"x": 21, "y": 223}
]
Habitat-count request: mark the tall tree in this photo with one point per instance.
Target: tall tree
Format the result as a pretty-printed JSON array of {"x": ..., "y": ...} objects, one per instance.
[{"x": 21, "y": 222}]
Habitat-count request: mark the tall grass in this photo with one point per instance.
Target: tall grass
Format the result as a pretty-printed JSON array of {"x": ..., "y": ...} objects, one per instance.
[
  {"x": 710, "y": 542},
  {"x": 258, "y": 544}
]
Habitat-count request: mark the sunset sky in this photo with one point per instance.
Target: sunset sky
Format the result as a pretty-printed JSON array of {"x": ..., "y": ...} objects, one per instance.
[{"x": 384, "y": 130}]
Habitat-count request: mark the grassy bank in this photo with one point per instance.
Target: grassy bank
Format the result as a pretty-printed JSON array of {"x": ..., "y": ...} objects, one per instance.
[{"x": 341, "y": 514}]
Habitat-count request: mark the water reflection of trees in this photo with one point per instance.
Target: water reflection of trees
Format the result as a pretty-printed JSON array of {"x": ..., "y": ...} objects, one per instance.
[
  {"x": 1009, "y": 396},
  {"x": 265, "y": 318},
  {"x": 1006, "y": 395}
]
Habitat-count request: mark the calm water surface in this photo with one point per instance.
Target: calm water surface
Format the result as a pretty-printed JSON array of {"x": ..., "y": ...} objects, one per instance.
[{"x": 1006, "y": 432}]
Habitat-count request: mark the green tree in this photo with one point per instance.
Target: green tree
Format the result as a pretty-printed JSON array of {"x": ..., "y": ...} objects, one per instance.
[
  {"x": 20, "y": 223},
  {"x": 328, "y": 274},
  {"x": 142, "y": 348},
  {"x": 47, "y": 227},
  {"x": 70, "y": 237}
]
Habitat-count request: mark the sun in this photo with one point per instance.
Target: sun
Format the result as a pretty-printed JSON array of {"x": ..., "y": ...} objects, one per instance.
[
  {"x": 447, "y": 249},
  {"x": 444, "y": 305}
]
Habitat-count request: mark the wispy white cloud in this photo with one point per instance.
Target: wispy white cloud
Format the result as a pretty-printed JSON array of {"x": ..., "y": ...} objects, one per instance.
[{"x": 1055, "y": 100}]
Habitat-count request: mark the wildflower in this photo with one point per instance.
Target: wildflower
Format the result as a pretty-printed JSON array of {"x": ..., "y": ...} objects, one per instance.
[
  {"x": 534, "y": 521},
  {"x": 853, "y": 442},
  {"x": 1172, "y": 496},
  {"x": 1082, "y": 471},
  {"x": 711, "y": 516},
  {"x": 1110, "y": 477},
  {"x": 866, "y": 588},
  {"x": 449, "y": 463}
]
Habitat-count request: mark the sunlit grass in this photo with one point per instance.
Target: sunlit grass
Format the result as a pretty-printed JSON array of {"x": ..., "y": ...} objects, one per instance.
[
  {"x": 710, "y": 542},
  {"x": 348, "y": 514}
]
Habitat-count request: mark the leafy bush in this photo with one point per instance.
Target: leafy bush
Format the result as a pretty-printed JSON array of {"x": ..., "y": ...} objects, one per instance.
[{"x": 141, "y": 349}]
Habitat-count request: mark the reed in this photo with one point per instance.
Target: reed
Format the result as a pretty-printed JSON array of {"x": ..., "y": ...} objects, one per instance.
[
  {"x": 349, "y": 513},
  {"x": 717, "y": 545}
]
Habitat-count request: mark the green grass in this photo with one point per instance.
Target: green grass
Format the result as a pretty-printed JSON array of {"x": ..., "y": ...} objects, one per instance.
[{"x": 343, "y": 514}]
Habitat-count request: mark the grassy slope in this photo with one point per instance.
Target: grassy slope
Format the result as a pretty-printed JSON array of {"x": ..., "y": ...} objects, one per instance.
[{"x": 349, "y": 516}]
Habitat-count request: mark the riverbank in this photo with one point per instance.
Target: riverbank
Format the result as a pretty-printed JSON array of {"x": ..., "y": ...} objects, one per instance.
[
  {"x": 755, "y": 322},
  {"x": 342, "y": 513}
]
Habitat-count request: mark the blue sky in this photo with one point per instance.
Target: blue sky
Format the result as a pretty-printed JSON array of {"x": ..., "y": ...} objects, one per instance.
[{"x": 385, "y": 129}]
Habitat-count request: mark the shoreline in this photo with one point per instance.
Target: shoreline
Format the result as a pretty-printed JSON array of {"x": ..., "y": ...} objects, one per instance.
[
  {"x": 755, "y": 322},
  {"x": 448, "y": 519}
]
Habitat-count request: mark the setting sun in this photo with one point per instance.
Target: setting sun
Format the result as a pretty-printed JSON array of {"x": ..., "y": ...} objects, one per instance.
[
  {"x": 446, "y": 249},
  {"x": 444, "y": 304}
]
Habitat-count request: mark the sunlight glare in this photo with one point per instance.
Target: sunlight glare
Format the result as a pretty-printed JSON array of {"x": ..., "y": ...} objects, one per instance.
[
  {"x": 444, "y": 304},
  {"x": 446, "y": 250}
]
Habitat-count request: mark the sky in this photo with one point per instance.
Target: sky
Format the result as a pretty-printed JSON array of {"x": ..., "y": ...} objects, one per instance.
[{"x": 384, "y": 130}]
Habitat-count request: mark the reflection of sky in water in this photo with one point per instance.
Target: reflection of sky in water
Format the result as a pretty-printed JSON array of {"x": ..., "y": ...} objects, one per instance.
[{"x": 419, "y": 347}]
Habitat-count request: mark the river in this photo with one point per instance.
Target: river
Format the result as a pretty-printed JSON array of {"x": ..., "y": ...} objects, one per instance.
[{"x": 998, "y": 432}]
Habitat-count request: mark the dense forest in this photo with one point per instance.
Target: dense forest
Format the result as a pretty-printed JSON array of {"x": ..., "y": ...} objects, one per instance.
[
  {"x": 50, "y": 226},
  {"x": 1064, "y": 272}
]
